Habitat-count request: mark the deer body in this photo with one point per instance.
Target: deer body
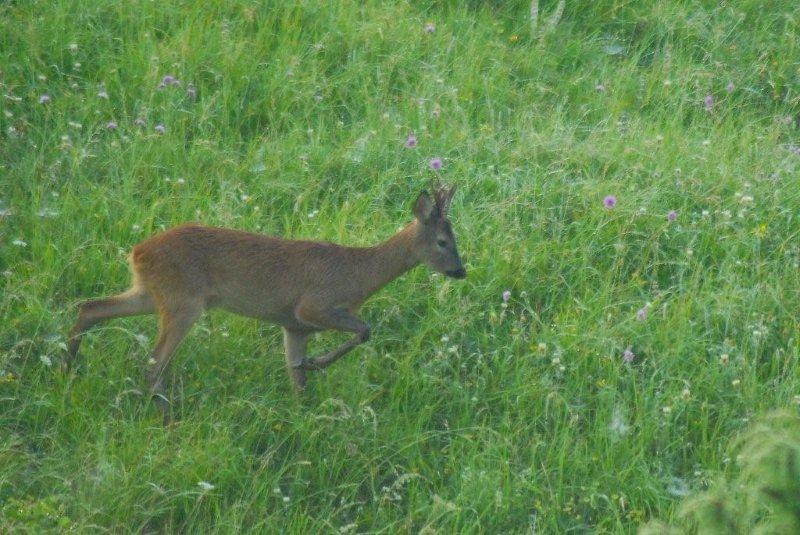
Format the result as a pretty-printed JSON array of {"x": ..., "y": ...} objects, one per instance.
[
  {"x": 264, "y": 277},
  {"x": 303, "y": 286}
]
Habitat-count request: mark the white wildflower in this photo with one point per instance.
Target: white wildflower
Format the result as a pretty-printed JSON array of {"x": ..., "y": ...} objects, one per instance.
[{"x": 618, "y": 425}]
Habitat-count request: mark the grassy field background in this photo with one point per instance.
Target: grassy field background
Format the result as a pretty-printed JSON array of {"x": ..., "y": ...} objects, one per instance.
[{"x": 464, "y": 413}]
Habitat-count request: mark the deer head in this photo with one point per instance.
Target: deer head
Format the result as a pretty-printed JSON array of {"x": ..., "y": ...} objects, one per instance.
[{"x": 435, "y": 241}]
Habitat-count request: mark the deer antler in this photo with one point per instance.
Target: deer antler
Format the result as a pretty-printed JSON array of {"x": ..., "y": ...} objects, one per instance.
[{"x": 442, "y": 195}]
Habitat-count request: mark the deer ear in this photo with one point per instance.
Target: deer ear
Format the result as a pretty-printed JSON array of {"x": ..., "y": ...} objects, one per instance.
[{"x": 425, "y": 209}]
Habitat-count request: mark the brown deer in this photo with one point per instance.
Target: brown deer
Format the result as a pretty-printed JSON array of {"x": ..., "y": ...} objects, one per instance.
[{"x": 304, "y": 286}]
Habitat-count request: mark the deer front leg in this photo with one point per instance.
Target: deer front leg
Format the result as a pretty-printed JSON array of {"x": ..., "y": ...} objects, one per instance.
[
  {"x": 295, "y": 344},
  {"x": 337, "y": 319}
]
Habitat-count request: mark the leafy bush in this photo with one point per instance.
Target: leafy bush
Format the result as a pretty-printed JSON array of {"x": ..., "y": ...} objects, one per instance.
[{"x": 762, "y": 492}]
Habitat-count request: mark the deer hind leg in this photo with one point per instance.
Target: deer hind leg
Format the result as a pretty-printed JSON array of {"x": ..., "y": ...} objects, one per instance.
[
  {"x": 131, "y": 303},
  {"x": 295, "y": 343},
  {"x": 337, "y": 319},
  {"x": 175, "y": 324}
]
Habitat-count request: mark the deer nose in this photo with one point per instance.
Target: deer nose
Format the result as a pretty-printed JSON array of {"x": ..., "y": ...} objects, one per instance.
[{"x": 459, "y": 273}]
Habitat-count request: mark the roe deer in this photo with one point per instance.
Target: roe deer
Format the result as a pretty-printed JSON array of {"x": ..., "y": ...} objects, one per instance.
[{"x": 304, "y": 286}]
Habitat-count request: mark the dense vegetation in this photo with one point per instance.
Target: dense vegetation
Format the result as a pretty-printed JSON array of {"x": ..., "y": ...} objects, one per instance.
[{"x": 627, "y": 172}]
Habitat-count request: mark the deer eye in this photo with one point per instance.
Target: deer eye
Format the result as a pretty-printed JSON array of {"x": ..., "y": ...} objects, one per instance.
[{"x": 441, "y": 243}]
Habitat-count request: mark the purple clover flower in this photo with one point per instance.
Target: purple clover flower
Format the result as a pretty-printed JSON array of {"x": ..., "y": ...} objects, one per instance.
[
  {"x": 730, "y": 87},
  {"x": 168, "y": 80},
  {"x": 506, "y": 296},
  {"x": 610, "y": 201},
  {"x": 708, "y": 102},
  {"x": 411, "y": 141},
  {"x": 139, "y": 121},
  {"x": 628, "y": 356},
  {"x": 435, "y": 163},
  {"x": 160, "y": 128},
  {"x": 641, "y": 314},
  {"x": 429, "y": 27},
  {"x": 672, "y": 215},
  {"x": 44, "y": 99},
  {"x": 111, "y": 125}
]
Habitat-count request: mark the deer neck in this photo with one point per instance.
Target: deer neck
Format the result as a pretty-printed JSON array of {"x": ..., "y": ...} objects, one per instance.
[{"x": 388, "y": 260}]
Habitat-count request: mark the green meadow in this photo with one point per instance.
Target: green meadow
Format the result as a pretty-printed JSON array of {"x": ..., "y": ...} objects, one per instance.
[{"x": 628, "y": 211}]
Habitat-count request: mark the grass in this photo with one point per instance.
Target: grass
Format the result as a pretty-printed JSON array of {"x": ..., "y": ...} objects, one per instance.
[
  {"x": 462, "y": 413},
  {"x": 759, "y": 495}
]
